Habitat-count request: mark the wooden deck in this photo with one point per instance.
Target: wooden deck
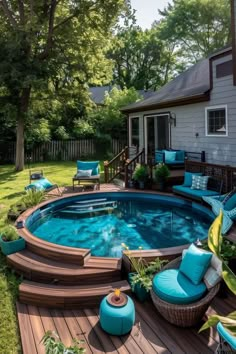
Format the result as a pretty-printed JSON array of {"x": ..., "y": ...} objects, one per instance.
[{"x": 150, "y": 334}]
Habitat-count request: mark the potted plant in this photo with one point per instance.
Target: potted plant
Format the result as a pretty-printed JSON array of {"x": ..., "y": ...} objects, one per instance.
[
  {"x": 215, "y": 242},
  {"x": 53, "y": 345},
  {"x": 10, "y": 241},
  {"x": 161, "y": 173},
  {"x": 140, "y": 175},
  {"x": 15, "y": 210},
  {"x": 142, "y": 273}
]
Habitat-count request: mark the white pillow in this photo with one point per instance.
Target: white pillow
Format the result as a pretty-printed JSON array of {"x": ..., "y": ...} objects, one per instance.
[{"x": 84, "y": 173}]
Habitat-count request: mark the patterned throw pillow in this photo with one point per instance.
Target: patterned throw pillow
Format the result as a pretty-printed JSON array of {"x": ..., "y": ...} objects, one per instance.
[
  {"x": 199, "y": 182},
  {"x": 84, "y": 173}
]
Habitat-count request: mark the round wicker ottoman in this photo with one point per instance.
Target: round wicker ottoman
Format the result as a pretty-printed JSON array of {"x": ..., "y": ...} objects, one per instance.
[{"x": 117, "y": 320}]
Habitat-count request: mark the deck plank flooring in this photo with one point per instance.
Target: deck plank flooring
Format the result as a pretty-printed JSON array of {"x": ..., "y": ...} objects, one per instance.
[{"x": 151, "y": 333}]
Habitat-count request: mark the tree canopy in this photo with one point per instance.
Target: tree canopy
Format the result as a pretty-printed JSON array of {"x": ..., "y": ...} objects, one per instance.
[{"x": 49, "y": 47}]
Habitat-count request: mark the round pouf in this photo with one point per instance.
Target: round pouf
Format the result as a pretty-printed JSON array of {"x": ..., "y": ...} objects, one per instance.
[{"x": 117, "y": 320}]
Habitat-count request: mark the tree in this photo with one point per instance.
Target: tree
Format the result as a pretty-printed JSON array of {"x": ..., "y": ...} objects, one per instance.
[
  {"x": 50, "y": 46},
  {"x": 109, "y": 119},
  {"x": 197, "y": 27},
  {"x": 141, "y": 59}
]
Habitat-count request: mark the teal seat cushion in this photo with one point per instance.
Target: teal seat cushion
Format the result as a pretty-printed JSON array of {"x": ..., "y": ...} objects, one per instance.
[
  {"x": 230, "y": 203},
  {"x": 195, "y": 263},
  {"x": 193, "y": 193},
  {"x": 226, "y": 335},
  {"x": 40, "y": 185},
  {"x": 174, "y": 287},
  {"x": 89, "y": 165},
  {"x": 180, "y": 155},
  {"x": 188, "y": 178}
]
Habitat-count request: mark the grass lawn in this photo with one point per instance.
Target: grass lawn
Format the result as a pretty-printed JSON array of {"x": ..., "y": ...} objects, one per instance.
[{"x": 11, "y": 190}]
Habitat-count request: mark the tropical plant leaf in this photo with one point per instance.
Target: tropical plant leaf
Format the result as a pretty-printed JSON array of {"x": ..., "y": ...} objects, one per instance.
[
  {"x": 214, "y": 235},
  {"x": 229, "y": 322},
  {"x": 229, "y": 277}
]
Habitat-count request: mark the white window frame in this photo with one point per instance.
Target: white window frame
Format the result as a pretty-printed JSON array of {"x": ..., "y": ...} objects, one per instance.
[
  {"x": 130, "y": 129},
  {"x": 226, "y": 121}
]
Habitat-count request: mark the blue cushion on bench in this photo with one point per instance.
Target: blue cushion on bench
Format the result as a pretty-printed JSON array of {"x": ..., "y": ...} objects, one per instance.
[
  {"x": 89, "y": 165},
  {"x": 174, "y": 287},
  {"x": 230, "y": 203},
  {"x": 193, "y": 193}
]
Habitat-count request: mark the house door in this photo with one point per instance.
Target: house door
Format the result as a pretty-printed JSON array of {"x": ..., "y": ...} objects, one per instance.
[{"x": 157, "y": 133}]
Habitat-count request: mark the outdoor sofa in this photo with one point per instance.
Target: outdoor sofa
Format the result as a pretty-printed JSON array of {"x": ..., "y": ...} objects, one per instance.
[{"x": 211, "y": 187}]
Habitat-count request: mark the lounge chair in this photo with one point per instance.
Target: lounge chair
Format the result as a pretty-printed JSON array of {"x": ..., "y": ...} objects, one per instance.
[
  {"x": 41, "y": 184},
  {"x": 227, "y": 203},
  {"x": 182, "y": 298},
  {"x": 88, "y": 172},
  {"x": 227, "y": 342}
]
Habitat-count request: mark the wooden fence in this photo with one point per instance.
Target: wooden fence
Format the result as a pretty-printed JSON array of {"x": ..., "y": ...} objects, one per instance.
[{"x": 59, "y": 150}]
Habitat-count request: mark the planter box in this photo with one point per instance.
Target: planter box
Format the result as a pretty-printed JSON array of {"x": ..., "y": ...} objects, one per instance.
[
  {"x": 140, "y": 292},
  {"x": 12, "y": 246}
]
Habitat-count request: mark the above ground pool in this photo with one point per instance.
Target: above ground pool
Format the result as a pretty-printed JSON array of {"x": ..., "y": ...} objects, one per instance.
[{"x": 103, "y": 221}]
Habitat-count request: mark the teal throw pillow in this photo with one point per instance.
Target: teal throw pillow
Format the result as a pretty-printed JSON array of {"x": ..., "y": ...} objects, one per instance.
[
  {"x": 170, "y": 156},
  {"x": 188, "y": 178},
  {"x": 195, "y": 264},
  {"x": 230, "y": 203},
  {"x": 200, "y": 182},
  {"x": 180, "y": 155}
]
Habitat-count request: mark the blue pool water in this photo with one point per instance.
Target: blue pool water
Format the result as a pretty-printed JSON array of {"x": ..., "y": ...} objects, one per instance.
[{"x": 104, "y": 221}]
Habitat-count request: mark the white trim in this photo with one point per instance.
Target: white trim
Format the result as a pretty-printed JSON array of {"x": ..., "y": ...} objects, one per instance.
[
  {"x": 130, "y": 129},
  {"x": 226, "y": 120}
]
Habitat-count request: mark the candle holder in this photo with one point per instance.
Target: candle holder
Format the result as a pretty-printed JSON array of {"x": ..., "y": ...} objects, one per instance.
[{"x": 117, "y": 298}]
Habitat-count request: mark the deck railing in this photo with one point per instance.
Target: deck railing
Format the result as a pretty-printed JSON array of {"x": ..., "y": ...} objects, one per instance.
[
  {"x": 114, "y": 167},
  {"x": 131, "y": 164}
]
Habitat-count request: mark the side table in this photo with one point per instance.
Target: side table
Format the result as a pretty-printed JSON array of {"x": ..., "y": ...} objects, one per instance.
[{"x": 117, "y": 320}]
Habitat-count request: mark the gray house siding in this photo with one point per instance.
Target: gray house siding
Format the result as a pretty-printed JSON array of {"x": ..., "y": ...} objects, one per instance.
[{"x": 190, "y": 130}]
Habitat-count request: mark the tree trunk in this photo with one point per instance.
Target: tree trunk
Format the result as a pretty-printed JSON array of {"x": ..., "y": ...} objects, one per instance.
[{"x": 23, "y": 108}]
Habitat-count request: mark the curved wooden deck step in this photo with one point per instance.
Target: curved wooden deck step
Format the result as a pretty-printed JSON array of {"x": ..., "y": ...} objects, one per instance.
[
  {"x": 54, "y": 251},
  {"x": 58, "y": 296},
  {"x": 41, "y": 269}
]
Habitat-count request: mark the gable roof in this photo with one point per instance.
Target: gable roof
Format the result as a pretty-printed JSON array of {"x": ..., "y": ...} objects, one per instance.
[
  {"x": 192, "y": 83},
  {"x": 98, "y": 93}
]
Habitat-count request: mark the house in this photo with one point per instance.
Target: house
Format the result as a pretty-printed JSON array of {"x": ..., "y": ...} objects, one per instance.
[
  {"x": 98, "y": 93},
  {"x": 196, "y": 111}
]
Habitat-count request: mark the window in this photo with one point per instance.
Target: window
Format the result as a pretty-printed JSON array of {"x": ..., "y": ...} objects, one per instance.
[
  {"x": 216, "y": 121},
  {"x": 134, "y": 122}
]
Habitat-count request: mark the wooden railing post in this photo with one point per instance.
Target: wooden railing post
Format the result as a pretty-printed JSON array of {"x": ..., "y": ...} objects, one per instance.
[
  {"x": 203, "y": 156},
  {"x": 106, "y": 171}
]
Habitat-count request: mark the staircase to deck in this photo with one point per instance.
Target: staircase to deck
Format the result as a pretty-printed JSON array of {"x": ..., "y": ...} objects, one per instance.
[
  {"x": 64, "y": 284},
  {"x": 122, "y": 166}
]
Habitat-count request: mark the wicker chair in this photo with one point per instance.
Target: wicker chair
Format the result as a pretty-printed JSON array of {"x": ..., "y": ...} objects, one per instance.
[{"x": 183, "y": 315}]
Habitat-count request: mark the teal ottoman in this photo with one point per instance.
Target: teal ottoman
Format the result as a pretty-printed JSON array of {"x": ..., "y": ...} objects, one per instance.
[{"x": 117, "y": 320}]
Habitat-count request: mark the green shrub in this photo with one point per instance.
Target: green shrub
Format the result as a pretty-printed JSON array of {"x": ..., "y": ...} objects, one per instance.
[
  {"x": 161, "y": 172},
  {"x": 9, "y": 233},
  {"x": 140, "y": 173},
  {"x": 33, "y": 198}
]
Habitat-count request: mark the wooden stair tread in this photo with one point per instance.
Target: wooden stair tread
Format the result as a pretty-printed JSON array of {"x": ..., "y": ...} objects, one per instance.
[
  {"x": 35, "y": 261},
  {"x": 103, "y": 263},
  {"x": 67, "y": 296},
  {"x": 48, "y": 289},
  {"x": 39, "y": 268}
]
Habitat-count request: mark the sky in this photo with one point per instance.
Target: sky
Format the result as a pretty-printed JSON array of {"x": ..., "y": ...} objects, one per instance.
[{"x": 147, "y": 11}]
